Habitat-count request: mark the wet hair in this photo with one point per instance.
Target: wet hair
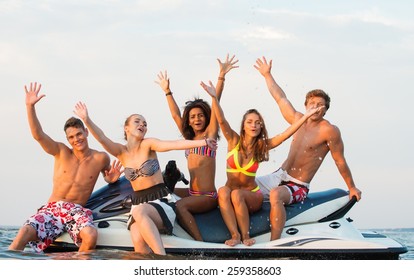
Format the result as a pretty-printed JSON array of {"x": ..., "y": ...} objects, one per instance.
[
  {"x": 318, "y": 93},
  {"x": 188, "y": 132},
  {"x": 261, "y": 151},
  {"x": 73, "y": 122}
]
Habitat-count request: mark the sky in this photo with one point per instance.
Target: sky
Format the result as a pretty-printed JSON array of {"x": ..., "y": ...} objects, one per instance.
[{"x": 107, "y": 53}]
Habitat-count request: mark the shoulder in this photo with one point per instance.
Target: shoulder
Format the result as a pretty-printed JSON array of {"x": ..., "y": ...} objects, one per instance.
[
  {"x": 325, "y": 124},
  {"x": 149, "y": 140},
  {"x": 150, "y": 143},
  {"x": 100, "y": 156},
  {"x": 330, "y": 130},
  {"x": 63, "y": 149}
]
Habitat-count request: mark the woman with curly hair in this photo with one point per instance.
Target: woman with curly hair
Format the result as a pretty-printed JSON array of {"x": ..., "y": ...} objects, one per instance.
[{"x": 197, "y": 122}]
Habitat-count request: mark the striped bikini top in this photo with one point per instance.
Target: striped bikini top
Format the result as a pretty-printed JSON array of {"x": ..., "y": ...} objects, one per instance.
[
  {"x": 202, "y": 151},
  {"x": 148, "y": 168},
  {"x": 233, "y": 165}
]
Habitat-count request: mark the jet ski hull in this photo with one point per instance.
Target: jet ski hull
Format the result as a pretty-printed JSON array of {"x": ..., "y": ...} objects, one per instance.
[{"x": 315, "y": 229}]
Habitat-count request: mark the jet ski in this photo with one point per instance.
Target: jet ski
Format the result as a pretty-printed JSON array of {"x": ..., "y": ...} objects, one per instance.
[{"x": 314, "y": 229}]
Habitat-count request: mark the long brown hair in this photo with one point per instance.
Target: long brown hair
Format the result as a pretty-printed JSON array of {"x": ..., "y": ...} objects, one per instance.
[{"x": 260, "y": 149}]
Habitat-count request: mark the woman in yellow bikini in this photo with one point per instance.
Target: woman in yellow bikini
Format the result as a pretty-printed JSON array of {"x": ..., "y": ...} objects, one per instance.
[
  {"x": 197, "y": 122},
  {"x": 240, "y": 196}
]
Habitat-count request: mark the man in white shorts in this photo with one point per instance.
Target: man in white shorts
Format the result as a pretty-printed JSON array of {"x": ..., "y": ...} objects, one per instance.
[{"x": 310, "y": 144}]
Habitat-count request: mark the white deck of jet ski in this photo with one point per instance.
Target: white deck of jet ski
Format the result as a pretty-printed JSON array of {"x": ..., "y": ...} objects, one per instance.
[{"x": 314, "y": 229}]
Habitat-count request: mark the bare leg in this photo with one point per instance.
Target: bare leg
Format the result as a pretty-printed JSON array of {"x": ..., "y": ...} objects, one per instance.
[
  {"x": 181, "y": 192},
  {"x": 188, "y": 206},
  {"x": 26, "y": 233},
  {"x": 89, "y": 237},
  {"x": 229, "y": 217},
  {"x": 148, "y": 221},
  {"x": 278, "y": 198},
  {"x": 245, "y": 203},
  {"x": 139, "y": 244}
]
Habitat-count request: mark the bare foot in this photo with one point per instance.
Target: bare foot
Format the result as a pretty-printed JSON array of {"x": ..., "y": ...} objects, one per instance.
[
  {"x": 232, "y": 242},
  {"x": 249, "y": 241}
]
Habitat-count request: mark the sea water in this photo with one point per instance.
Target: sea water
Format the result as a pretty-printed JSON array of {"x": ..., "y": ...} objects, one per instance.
[
  {"x": 118, "y": 264},
  {"x": 404, "y": 236}
]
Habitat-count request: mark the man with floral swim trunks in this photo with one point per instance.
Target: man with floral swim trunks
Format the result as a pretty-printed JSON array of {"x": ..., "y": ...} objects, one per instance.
[
  {"x": 76, "y": 171},
  {"x": 311, "y": 143}
]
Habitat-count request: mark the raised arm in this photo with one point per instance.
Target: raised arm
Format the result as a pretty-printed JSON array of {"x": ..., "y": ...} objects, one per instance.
[
  {"x": 231, "y": 136},
  {"x": 164, "y": 83},
  {"x": 225, "y": 67},
  {"x": 32, "y": 97},
  {"x": 111, "y": 147},
  {"x": 285, "y": 107},
  {"x": 280, "y": 138}
]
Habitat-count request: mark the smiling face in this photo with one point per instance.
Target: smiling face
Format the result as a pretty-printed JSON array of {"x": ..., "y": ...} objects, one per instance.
[
  {"x": 76, "y": 134},
  {"x": 77, "y": 137},
  {"x": 136, "y": 126}
]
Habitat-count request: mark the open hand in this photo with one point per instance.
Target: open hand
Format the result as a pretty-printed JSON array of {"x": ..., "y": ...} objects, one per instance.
[
  {"x": 32, "y": 94},
  {"x": 211, "y": 143},
  {"x": 163, "y": 81},
  {"x": 81, "y": 110},
  {"x": 210, "y": 89},
  {"x": 115, "y": 172},
  {"x": 263, "y": 66},
  {"x": 227, "y": 65}
]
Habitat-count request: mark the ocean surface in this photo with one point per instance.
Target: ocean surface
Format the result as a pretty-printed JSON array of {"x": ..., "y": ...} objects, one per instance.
[{"x": 404, "y": 236}]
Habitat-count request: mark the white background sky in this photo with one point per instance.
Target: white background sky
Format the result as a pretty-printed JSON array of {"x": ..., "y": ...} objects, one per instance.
[{"x": 108, "y": 53}]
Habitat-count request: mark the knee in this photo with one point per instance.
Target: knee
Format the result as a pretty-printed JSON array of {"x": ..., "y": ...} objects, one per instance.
[
  {"x": 140, "y": 212},
  {"x": 181, "y": 207},
  {"x": 276, "y": 196},
  {"x": 27, "y": 233},
  {"x": 28, "y": 230},
  {"x": 236, "y": 197},
  {"x": 224, "y": 194},
  {"x": 89, "y": 234}
]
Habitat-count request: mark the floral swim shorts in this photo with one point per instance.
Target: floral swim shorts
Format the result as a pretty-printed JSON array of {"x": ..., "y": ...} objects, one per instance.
[{"x": 54, "y": 218}]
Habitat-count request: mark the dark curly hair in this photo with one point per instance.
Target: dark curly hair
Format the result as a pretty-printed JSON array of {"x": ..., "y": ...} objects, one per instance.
[{"x": 188, "y": 132}]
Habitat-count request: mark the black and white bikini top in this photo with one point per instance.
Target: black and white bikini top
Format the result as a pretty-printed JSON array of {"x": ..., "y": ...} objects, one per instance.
[{"x": 148, "y": 168}]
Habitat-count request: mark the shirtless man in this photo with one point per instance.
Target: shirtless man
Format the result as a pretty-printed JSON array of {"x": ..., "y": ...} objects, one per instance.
[
  {"x": 310, "y": 144},
  {"x": 76, "y": 171}
]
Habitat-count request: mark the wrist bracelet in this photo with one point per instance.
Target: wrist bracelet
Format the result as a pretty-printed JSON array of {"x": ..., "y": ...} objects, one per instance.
[
  {"x": 168, "y": 93},
  {"x": 221, "y": 78}
]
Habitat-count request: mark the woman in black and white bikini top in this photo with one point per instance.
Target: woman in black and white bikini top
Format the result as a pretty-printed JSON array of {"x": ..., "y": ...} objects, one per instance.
[{"x": 152, "y": 209}]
